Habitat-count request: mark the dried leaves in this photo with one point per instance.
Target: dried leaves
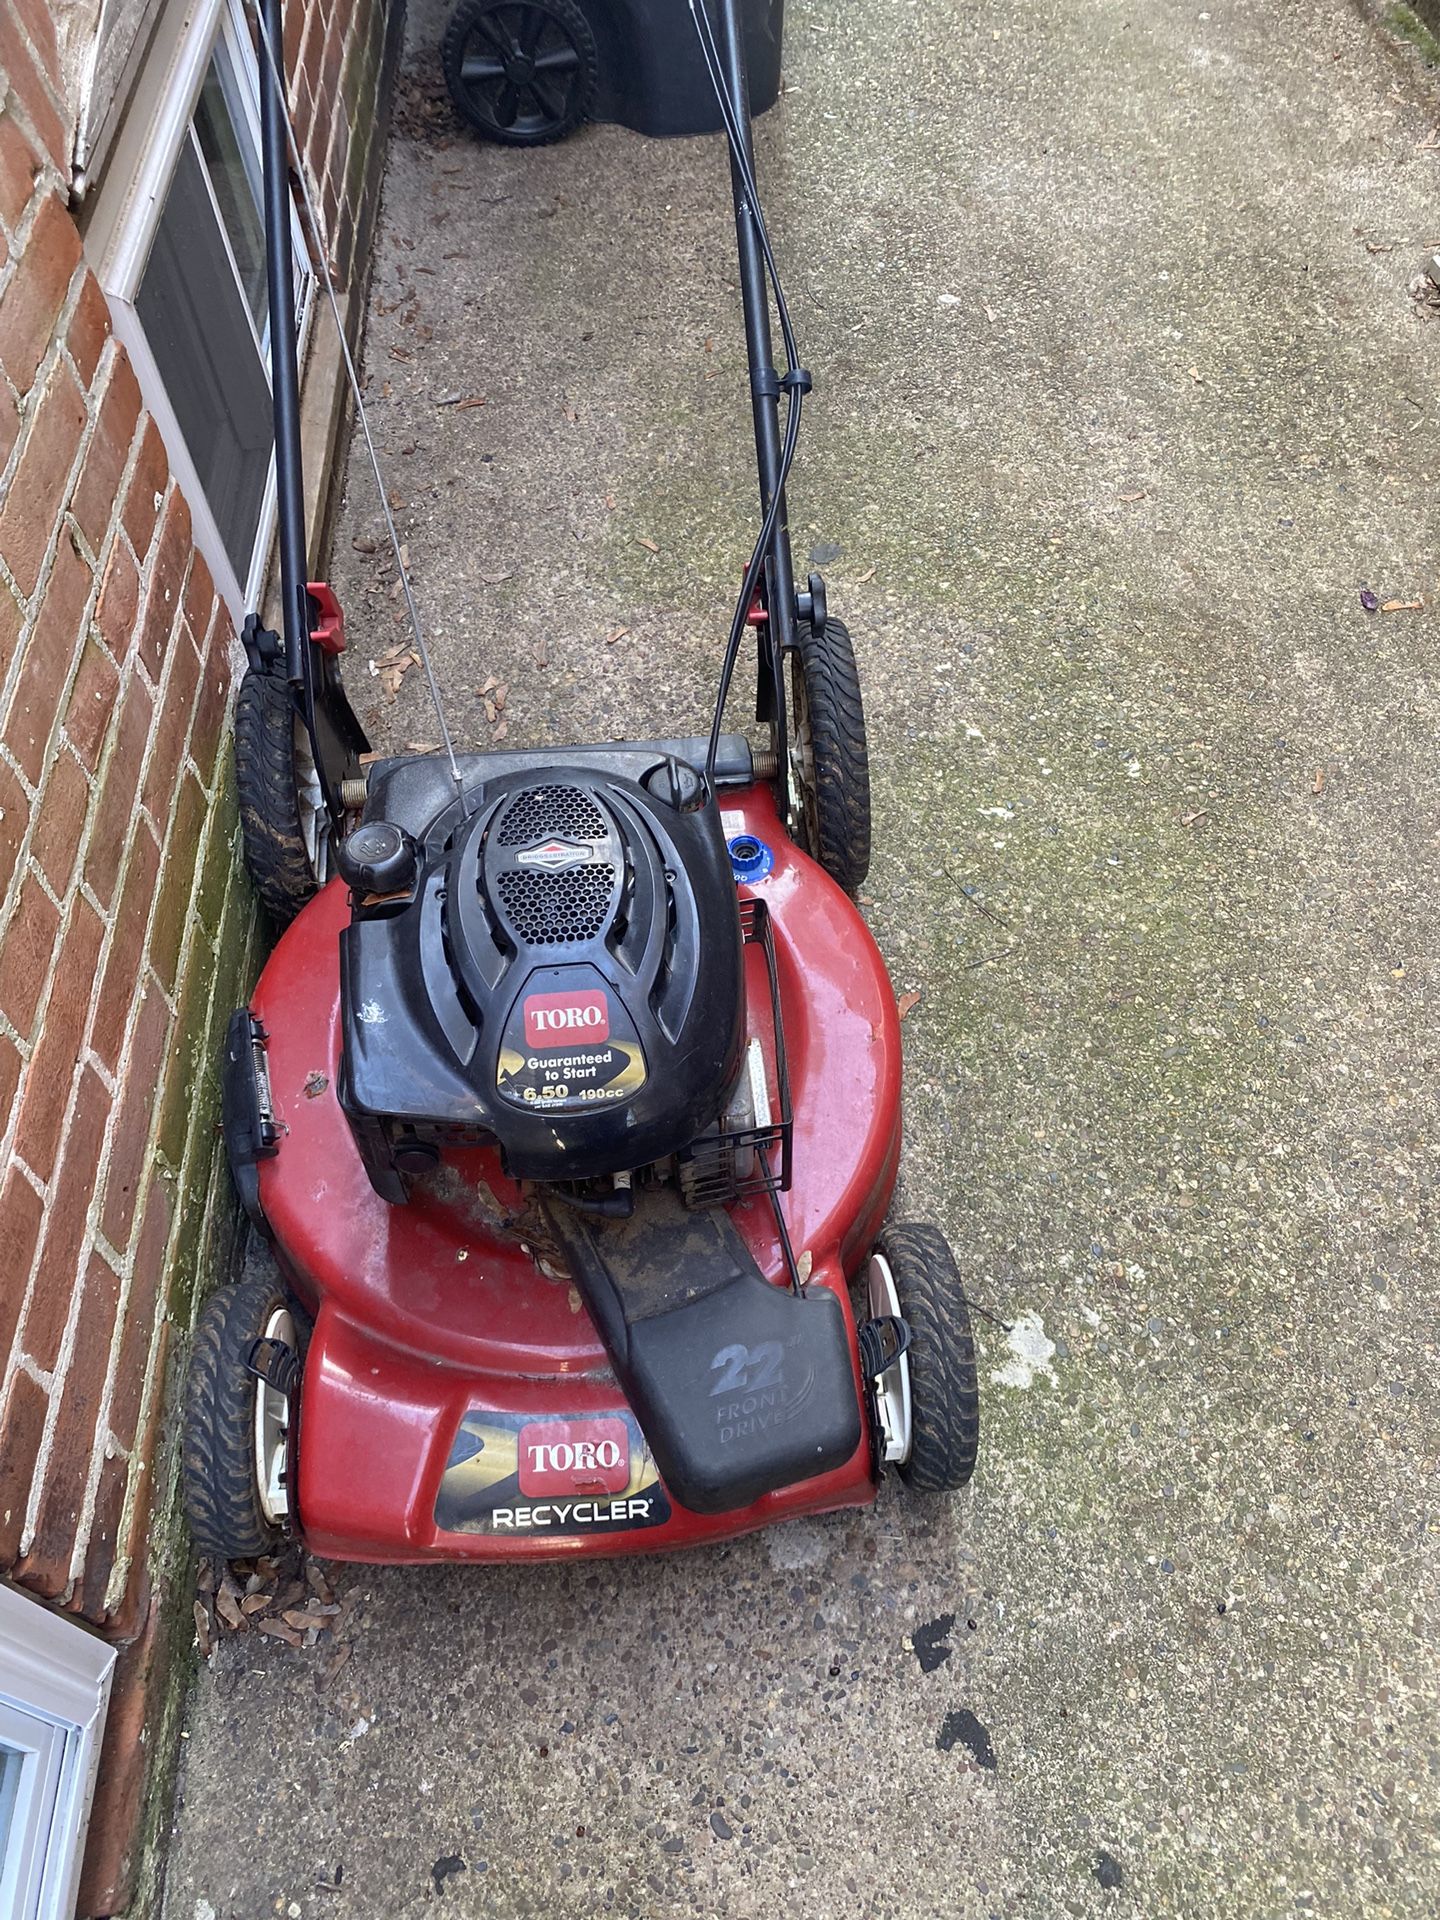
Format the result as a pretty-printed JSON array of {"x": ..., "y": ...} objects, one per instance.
[
  {"x": 907, "y": 1003},
  {"x": 495, "y": 693},
  {"x": 288, "y": 1598},
  {"x": 391, "y": 667}
]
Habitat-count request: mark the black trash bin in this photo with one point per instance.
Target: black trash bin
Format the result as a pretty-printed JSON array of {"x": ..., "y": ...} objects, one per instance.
[{"x": 525, "y": 74}]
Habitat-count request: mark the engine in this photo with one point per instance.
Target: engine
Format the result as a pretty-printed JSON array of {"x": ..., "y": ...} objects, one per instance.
[{"x": 552, "y": 961}]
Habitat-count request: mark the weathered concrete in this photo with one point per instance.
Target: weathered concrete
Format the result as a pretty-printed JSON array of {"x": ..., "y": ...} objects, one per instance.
[{"x": 1121, "y": 401}]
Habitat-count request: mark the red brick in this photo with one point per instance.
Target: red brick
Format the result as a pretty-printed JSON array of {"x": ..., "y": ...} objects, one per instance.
[
  {"x": 147, "y": 487},
  {"x": 14, "y": 818},
  {"x": 210, "y": 712},
  {"x": 91, "y": 706},
  {"x": 130, "y": 1148},
  {"x": 49, "y": 653},
  {"x": 27, "y": 83},
  {"x": 181, "y": 849},
  {"x": 176, "y": 703},
  {"x": 52, "y": 1068},
  {"x": 46, "y": 1567},
  {"x": 89, "y": 329},
  {"x": 100, "y": 1547},
  {"x": 35, "y": 17},
  {"x": 18, "y": 168},
  {"x": 98, "y": 487},
  {"x": 167, "y": 579},
  {"x": 25, "y": 955},
  {"x": 21, "y": 1212},
  {"x": 31, "y": 303},
  {"x": 147, "y": 1285},
  {"x": 59, "y": 824},
  {"x": 127, "y": 946},
  {"x": 119, "y": 602},
  {"x": 199, "y": 598},
  {"x": 115, "y": 814},
  {"x": 21, "y": 1431},
  {"x": 38, "y": 490},
  {"x": 67, "y": 1210}
]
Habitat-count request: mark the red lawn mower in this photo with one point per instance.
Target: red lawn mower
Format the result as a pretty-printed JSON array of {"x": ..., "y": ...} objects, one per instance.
[{"x": 569, "y": 1097}]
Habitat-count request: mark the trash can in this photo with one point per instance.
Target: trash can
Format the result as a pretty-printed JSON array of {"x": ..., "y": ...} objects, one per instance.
[{"x": 528, "y": 74}]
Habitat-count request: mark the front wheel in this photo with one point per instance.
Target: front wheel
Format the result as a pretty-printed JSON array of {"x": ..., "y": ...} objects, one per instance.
[
  {"x": 830, "y": 760},
  {"x": 929, "y": 1399},
  {"x": 235, "y": 1426}
]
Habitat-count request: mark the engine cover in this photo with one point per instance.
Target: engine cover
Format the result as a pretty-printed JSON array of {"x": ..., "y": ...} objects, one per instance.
[{"x": 560, "y": 969}]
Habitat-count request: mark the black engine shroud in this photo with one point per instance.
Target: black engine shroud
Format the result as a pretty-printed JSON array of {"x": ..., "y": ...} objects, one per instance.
[{"x": 552, "y": 962}]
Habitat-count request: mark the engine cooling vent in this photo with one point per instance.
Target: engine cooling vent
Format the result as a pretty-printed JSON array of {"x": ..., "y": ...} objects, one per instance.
[
  {"x": 539, "y": 811},
  {"x": 556, "y": 909}
]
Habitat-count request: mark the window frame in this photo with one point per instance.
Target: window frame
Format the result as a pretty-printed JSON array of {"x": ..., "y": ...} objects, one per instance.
[
  {"x": 54, "y": 1693},
  {"x": 129, "y": 201}
]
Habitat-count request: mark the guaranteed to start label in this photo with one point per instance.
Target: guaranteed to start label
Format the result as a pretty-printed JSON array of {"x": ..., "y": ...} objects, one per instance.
[
  {"x": 516, "y": 1474},
  {"x": 569, "y": 1045}
]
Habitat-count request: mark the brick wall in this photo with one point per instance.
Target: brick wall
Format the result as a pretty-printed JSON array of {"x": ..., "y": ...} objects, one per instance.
[{"x": 127, "y": 930}]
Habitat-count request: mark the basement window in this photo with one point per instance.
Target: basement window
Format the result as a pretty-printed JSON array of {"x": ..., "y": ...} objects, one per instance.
[
  {"x": 179, "y": 243},
  {"x": 54, "y": 1691}
]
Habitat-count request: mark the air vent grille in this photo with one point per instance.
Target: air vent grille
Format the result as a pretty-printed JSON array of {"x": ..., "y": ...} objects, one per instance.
[
  {"x": 539, "y": 811},
  {"x": 557, "y": 909}
]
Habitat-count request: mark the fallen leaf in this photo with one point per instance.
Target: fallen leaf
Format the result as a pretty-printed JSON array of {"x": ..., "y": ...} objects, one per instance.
[
  {"x": 610, "y": 502},
  {"x": 1189, "y": 819},
  {"x": 1139, "y": 494},
  {"x": 1197, "y": 376},
  {"x": 363, "y": 543},
  {"x": 277, "y": 1630},
  {"x": 1401, "y": 606},
  {"x": 256, "y": 1602},
  {"x": 501, "y": 731},
  {"x": 541, "y": 654},
  {"x": 471, "y": 400},
  {"x": 333, "y": 1665},
  {"x": 1319, "y": 786},
  {"x": 618, "y": 634},
  {"x": 649, "y": 546},
  {"x": 396, "y": 503},
  {"x": 421, "y": 746},
  {"x": 202, "y": 1629},
  {"x": 907, "y": 1003},
  {"x": 862, "y": 578},
  {"x": 227, "y": 1605},
  {"x": 804, "y": 1266},
  {"x": 494, "y": 579}
]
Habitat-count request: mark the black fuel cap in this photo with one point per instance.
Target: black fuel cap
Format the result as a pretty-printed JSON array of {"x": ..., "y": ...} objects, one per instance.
[{"x": 378, "y": 857}]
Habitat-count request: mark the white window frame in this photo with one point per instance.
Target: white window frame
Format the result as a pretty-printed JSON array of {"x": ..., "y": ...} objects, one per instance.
[
  {"x": 54, "y": 1693},
  {"x": 130, "y": 199}
]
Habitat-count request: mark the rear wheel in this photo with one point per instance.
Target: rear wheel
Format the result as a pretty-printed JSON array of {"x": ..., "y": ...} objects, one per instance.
[
  {"x": 521, "y": 74},
  {"x": 940, "y": 1384},
  {"x": 831, "y": 763},
  {"x": 235, "y": 1441},
  {"x": 283, "y": 821}
]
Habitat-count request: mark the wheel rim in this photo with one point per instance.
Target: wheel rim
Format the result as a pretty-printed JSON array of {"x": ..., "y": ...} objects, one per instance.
[
  {"x": 521, "y": 70},
  {"x": 310, "y": 805},
  {"x": 891, "y": 1389},
  {"x": 272, "y": 1431}
]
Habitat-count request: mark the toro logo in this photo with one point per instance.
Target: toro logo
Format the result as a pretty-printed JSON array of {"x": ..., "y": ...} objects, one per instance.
[
  {"x": 562, "y": 1019},
  {"x": 574, "y": 1456}
]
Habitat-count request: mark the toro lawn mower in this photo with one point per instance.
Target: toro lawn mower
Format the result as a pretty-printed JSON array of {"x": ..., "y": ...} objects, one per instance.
[{"x": 569, "y": 1097}]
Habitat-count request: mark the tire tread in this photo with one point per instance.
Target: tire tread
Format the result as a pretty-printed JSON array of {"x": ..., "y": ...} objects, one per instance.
[{"x": 944, "y": 1383}]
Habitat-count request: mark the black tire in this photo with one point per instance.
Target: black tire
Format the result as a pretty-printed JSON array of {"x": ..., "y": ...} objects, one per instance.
[
  {"x": 217, "y": 1444},
  {"x": 549, "y": 41},
  {"x": 834, "y": 763},
  {"x": 268, "y": 779},
  {"x": 944, "y": 1387}
]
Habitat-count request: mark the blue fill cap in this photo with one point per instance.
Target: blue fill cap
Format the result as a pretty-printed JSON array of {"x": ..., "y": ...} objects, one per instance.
[{"x": 750, "y": 858}]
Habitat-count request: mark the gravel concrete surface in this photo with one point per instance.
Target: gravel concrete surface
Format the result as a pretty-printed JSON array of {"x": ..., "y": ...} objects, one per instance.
[{"x": 1122, "y": 399}]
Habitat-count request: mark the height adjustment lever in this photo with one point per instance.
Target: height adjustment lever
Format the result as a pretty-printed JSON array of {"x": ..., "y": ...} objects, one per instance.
[{"x": 813, "y": 606}]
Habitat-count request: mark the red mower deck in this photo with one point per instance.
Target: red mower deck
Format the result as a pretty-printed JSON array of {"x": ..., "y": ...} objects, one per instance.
[{"x": 447, "y": 1372}]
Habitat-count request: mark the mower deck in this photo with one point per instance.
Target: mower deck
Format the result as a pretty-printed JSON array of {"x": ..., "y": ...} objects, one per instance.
[{"x": 457, "y": 1402}]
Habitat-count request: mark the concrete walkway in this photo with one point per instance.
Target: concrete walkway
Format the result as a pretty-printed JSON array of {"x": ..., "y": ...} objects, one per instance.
[{"x": 1122, "y": 399}]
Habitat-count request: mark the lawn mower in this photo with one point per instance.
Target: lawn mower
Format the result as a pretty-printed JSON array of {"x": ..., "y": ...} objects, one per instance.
[{"x": 568, "y": 1099}]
